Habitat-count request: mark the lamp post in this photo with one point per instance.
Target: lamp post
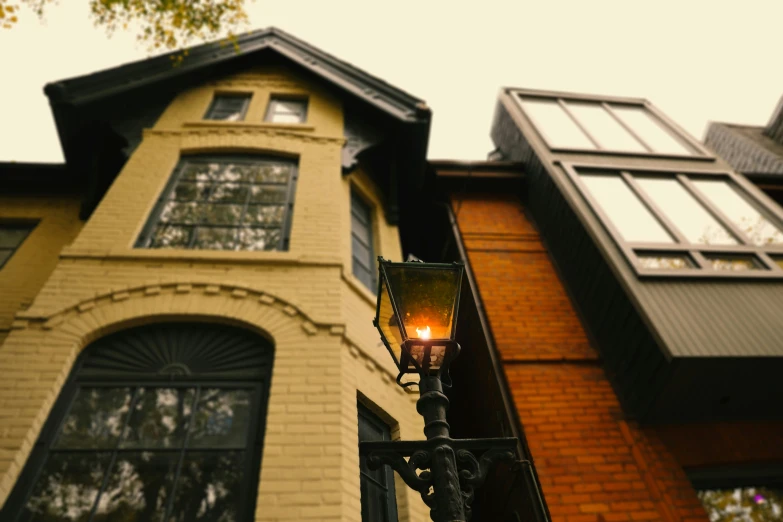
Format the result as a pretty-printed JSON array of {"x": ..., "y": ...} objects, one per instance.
[{"x": 416, "y": 316}]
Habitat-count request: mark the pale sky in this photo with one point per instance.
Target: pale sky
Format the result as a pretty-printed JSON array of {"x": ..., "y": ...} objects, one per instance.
[{"x": 697, "y": 60}]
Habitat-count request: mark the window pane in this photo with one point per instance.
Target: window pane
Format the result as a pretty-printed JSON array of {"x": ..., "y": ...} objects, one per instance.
[
  {"x": 287, "y": 111},
  {"x": 208, "y": 488},
  {"x": 558, "y": 128},
  {"x": 229, "y": 193},
  {"x": 778, "y": 261},
  {"x": 181, "y": 213},
  {"x": 605, "y": 129},
  {"x": 665, "y": 261},
  {"x": 169, "y": 236},
  {"x": 5, "y": 255},
  {"x": 220, "y": 214},
  {"x": 67, "y": 487},
  {"x": 734, "y": 263},
  {"x": 221, "y": 419},
  {"x": 271, "y": 215},
  {"x": 259, "y": 239},
  {"x": 740, "y": 211},
  {"x": 272, "y": 173},
  {"x": 159, "y": 419},
  {"x": 650, "y": 130},
  {"x": 228, "y": 107},
  {"x": 628, "y": 214},
  {"x": 364, "y": 275},
  {"x": 268, "y": 194},
  {"x": 686, "y": 212},
  {"x": 361, "y": 253},
  {"x": 200, "y": 171},
  {"x": 96, "y": 418},
  {"x": 139, "y": 486},
  {"x": 743, "y": 504},
  {"x": 216, "y": 238},
  {"x": 12, "y": 237},
  {"x": 191, "y": 190}
]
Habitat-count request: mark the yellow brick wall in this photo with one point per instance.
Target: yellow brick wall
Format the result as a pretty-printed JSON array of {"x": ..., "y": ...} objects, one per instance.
[
  {"x": 327, "y": 355},
  {"x": 57, "y": 222}
]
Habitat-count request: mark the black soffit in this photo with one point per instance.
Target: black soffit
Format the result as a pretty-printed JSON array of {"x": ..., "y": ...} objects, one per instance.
[
  {"x": 184, "y": 350},
  {"x": 111, "y": 82}
]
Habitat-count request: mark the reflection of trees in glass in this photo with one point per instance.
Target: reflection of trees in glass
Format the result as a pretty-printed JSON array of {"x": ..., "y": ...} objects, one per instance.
[
  {"x": 235, "y": 194},
  {"x": 743, "y": 504},
  {"x": 142, "y": 453}
]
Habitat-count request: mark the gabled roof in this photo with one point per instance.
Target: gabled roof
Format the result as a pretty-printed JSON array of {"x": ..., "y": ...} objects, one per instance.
[{"x": 143, "y": 73}]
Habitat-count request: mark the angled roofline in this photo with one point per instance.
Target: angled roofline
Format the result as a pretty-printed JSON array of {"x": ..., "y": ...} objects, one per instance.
[{"x": 110, "y": 82}]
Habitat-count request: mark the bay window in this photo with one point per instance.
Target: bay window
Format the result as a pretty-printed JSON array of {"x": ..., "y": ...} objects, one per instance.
[{"x": 685, "y": 223}]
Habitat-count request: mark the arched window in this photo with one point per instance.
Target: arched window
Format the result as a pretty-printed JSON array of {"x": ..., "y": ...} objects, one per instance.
[{"x": 157, "y": 423}]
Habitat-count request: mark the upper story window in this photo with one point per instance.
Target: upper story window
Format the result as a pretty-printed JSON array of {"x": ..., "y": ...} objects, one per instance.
[
  {"x": 742, "y": 504},
  {"x": 11, "y": 237},
  {"x": 379, "y": 503},
  {"x": 612, "y": 127},
  {"x": 286, "y": 110},
  {"x": 702, "y": 224},
  {"x": 224, "y": 203},
  {"x": 159, "y": 422},
  {"x": 362, "y": 241},
  {"x": 228, "y": 107}
]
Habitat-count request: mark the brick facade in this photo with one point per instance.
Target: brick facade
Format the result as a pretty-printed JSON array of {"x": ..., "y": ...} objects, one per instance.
[
  {"x": 593, "y": 463},
  {"x": 318, "y": 315}
]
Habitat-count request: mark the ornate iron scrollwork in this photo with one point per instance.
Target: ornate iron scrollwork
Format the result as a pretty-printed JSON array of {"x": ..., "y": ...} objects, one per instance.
[{"x": 473, "y": 460}]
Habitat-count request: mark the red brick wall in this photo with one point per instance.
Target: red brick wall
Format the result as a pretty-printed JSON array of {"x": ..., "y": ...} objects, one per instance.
[{"x": 593, "y": 464}]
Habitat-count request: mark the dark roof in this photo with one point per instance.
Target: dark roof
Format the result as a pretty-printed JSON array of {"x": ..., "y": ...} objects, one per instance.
[
  {"x": 110, "y": 82},
  {"x": 26, "y": 178},
  {"x": 746, "y": 148}
]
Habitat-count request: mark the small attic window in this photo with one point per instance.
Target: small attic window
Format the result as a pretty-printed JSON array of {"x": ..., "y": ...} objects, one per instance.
[
  {"x": 286, "y": 110},
  {"x": 228, "y": 107}
]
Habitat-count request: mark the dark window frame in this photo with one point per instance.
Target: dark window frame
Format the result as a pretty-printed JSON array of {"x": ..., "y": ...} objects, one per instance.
[
  {"x": 247, "y": 97},
  {"x": 681, "y": 245},
  {"x": 274, "y": 98},
  {"x": 23, "y": 488},
  {"x": 153, "y": 219},
  {"x": 16, "y": 225},
  {"x": 699, "y": 152},
  {"x": 367, "y": 415},
  {"x": 361, "y": 202}
]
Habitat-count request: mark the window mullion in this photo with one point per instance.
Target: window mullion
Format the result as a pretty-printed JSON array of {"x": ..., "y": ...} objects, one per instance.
[
  {"x": 769, "y": 262},
  {"x": 608, "y": 108},
  {"x": 113, "y": 458},
  {"x": 652, "y": 207},
  {"x": 714, "y": 210},
  {"x": 185, "y": 440},
  {"x": 700, "y": 260},
  {"x": 568, "y": 112}
]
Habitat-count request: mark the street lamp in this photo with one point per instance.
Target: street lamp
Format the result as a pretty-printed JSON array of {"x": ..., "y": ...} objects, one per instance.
[{"x": 416, "y": 315}]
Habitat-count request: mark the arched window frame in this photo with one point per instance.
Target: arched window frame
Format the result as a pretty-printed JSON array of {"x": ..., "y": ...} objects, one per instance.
[{"x": 175, "y": 375}]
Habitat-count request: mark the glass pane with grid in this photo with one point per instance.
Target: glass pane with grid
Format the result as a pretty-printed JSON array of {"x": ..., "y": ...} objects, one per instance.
[
  {"x": 361, "y": 242},
  {"x": 224, "y": 204},
  {"x": 138, "y": 453},
  {"x": 11, "y": 237},
  {"x": 711, "y": 223},
  {"x": 286, "y": 110},
  {"x": 379, "y": 503},
  {"x": 228, "y": 107}
]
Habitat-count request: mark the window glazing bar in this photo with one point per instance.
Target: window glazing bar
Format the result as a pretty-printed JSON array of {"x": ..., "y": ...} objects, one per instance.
[
  {"x": 625, "y": 126},
  {"x": 568, "y": 112},
  {"x": 653, "y": 208},
  {"x": 713, "y": 209}
]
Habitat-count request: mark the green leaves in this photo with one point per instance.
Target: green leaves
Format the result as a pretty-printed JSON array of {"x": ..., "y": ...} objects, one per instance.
[{"x": 160, "y": 24}]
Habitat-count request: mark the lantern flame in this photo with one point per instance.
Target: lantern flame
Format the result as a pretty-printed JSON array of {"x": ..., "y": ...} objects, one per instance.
[{"x": 423, "y": 334}]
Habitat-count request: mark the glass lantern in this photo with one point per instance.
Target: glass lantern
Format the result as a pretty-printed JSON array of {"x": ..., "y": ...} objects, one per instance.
[{"x": 416, "y": 314}]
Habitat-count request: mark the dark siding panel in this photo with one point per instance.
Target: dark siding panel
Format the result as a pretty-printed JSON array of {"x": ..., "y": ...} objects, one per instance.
[
  {"x": 718, "y": 318},
  {"x": 616, "y": 328}
]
